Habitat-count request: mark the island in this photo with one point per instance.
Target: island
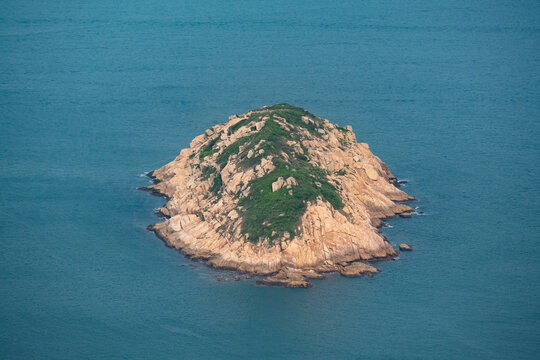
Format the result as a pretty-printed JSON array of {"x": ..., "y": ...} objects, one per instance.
[{"x": 281, "y": 194}]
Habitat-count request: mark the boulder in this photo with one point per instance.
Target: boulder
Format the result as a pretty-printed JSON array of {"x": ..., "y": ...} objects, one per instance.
[
  {"x": 278, "y": 184},
  {"x": 405, "y": 247},
  {"x": 289, "y": 279},
  {"x": 358, "y": 269}
]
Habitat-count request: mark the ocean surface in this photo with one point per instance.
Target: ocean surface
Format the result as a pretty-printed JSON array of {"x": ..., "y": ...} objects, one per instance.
[{"x": 95, "y": 93}]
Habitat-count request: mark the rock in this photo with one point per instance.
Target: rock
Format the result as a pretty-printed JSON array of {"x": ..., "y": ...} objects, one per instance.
[
  {"x": 278, "y": 184},
  {"x": 311, "y": 274},
  {"x": 405, "y": 247},
  {"x": 371, "y": 172},
  {"x": 358, "y": 269},
  {"x": 272, "y": 281},
  {"x": 291, "y": 181},
  {"x": 205, "y": 219},
  {"x": 307, "y": 120},
  {"x": 284, "y": 278}
]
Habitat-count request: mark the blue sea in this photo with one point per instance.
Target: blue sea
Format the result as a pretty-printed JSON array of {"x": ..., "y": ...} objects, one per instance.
[{"x": 93, "y": 94}]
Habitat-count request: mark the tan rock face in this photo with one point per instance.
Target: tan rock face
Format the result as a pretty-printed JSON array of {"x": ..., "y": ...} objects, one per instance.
[
  {"x": 405, "y": 247},
  {"x": 208, "y": 224},
  {"x": 358, "y": 269},
  {"x": 280, "y": 182}
]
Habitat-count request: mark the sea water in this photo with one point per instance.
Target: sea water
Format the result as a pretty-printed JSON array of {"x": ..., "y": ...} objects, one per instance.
[{"x": 94, "y": 93}]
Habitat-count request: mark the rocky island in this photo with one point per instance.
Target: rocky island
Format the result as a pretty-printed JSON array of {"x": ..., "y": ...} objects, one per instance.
[{"x": 279, "y": 192}]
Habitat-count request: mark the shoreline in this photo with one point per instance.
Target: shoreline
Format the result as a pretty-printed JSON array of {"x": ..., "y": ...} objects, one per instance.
[{"x": 263, "y": 276}]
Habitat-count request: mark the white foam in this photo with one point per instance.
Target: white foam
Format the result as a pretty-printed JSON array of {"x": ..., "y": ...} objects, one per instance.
[{"x": 417, "y": 211}]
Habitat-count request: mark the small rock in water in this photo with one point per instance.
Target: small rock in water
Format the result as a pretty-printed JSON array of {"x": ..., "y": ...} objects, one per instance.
[
  {"x": 286, "y": 278},
  {"x": 405, "y": 247}
]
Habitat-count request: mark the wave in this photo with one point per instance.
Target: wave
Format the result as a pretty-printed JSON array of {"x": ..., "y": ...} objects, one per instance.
[{"x": 418, "y": 211}]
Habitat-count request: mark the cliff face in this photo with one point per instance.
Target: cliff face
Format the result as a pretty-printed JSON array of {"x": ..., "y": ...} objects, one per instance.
[{"x": 278, "y": 190}]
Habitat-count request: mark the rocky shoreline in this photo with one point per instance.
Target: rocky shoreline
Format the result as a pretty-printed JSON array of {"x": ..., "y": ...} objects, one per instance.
[{"x": 207, "y": 222}]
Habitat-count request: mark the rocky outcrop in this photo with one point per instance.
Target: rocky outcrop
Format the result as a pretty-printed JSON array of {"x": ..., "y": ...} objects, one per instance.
[
  {"x": 358, "y": 269},
  {"x": 280, "y": 182},
  {"x": 209, "y": 186},
  {"x": 405, "y": 247}
]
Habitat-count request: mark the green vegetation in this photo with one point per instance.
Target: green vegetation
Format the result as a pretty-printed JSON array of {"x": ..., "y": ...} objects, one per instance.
[
  {"x": 216, "y": 185},
  {"x": 342, "y": 129},
  {"x": 294, "y": 115},
  {"x": 232, "y": 149},
  {"x": 341, "y": 172},
  {"x": 209, "y": 149},
  {"x": 208, "y": 171},
  {"x": 267, "y": 214},
  {"x": 217, "y": 182},
  {"x": 274, "y": 137},
  {"x": 238, "y": 125}
]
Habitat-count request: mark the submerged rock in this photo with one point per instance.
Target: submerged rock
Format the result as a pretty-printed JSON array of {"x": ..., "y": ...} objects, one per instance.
[
  {"x": 290, "y": 279},
  {"x": 405, "y": 214},
  {"x": 278, "y": 191}
]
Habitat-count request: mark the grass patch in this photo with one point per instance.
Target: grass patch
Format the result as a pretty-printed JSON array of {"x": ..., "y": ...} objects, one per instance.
[
  {"x": 266, "y": 214},
  {"x": 342, "y": 129},
  {"x": 238, "y": 125},
  {"x": 275, "y": 141},
  {"x": 294, "y": 116},
  {"x": 216, "y": 184},
  {"x": 208, "y": 171},
  {"x": 279, "y": 211},
  {"x": 232, "y": 149},
  {"x": 209, "y": 149}
]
